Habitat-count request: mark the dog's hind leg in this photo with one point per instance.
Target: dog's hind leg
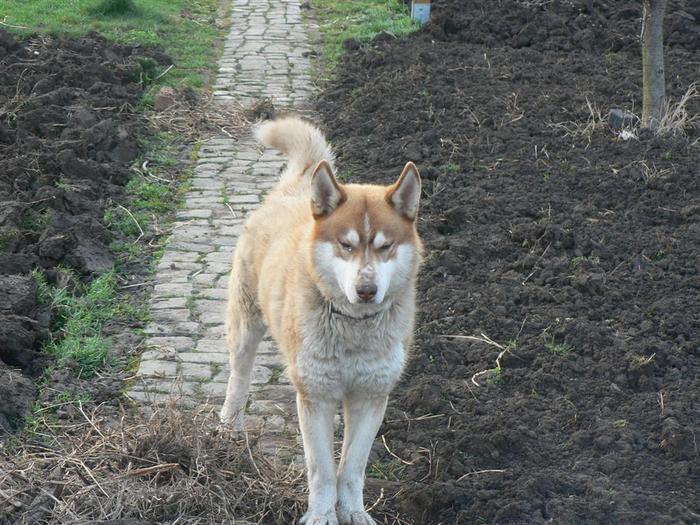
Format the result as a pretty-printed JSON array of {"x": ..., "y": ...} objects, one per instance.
[{"x": 245, "y": 328}]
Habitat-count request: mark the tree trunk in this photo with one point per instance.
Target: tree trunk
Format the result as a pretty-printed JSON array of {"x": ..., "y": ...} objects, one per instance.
[{"x": 654, "y": 78}]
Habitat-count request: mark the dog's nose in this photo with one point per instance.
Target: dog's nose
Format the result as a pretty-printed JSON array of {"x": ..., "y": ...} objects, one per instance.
[{"x": 366, "y": 291}]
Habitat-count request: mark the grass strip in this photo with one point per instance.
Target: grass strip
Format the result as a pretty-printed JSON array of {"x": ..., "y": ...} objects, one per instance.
[
  {"x": 184, "y": 29},
  {"x": 360, "y": 20}
]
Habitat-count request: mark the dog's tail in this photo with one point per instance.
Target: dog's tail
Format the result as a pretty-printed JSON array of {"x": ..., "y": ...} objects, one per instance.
[{"x": 302, "y": 143}]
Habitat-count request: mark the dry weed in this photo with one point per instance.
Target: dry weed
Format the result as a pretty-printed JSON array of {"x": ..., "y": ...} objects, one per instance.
[
  {"x": 193, "y": 117},
  {"x": 676, "y": 119},
  {"x": 170, "y": 467},
  {"x": 594, "y": 122}
]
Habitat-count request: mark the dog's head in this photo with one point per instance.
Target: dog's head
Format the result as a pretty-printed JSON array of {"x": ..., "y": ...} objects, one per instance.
[{"x": 366, "y": 248}]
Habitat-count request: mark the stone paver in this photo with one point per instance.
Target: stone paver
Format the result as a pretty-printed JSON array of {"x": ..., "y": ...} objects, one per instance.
[{"x": 186, "y": 360}]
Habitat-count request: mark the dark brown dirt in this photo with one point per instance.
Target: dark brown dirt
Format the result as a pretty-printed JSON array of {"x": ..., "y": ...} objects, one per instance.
[
  {"x": 68, "y": 135},
  {"x": 579, "y": 252}
]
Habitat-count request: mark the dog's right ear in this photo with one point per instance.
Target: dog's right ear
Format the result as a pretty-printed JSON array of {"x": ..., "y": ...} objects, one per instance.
[{"x": 326, "y": 193}]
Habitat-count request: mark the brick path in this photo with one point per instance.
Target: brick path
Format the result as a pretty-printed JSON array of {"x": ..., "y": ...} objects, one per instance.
[{"x": 265, "y": 55}]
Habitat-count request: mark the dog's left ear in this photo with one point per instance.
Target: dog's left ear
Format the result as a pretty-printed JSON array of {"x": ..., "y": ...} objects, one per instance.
[{"x": 404, "y": 194}]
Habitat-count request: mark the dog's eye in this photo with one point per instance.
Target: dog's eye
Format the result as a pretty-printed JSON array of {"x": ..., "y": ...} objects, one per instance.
[
  {"x": 345, "y": 246},
  {"x": 386, "y": 247}
]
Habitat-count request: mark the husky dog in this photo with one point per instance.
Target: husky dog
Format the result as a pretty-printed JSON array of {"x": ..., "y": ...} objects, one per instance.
[{"x": 330, "y": 270}]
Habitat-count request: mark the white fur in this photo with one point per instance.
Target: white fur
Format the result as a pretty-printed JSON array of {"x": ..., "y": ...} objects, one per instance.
[
  {"x": 353, "y": 237},
  {"x": 316, "y": 422},
  {"x": 341, "y": 275},
  {"x": 379, "y": 240},
  {"x": 302, "y": 142},
  {"x": 356, "y": 362}
]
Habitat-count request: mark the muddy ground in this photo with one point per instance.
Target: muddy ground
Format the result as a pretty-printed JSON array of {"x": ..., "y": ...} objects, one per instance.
[
  {"x": 69, "y": 133},
  {"x": 576, "y": 251}
]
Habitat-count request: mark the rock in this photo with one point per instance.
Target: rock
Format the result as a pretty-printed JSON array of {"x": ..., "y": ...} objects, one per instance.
[
  {"x": 165, "y": 98},
  {"x": 620, "y": 119}
]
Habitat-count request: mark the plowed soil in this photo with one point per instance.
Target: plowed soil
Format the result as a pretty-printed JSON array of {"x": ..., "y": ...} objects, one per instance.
[
  {"x": 573, "y": 250},
  {"x": 68, "y": 135}
]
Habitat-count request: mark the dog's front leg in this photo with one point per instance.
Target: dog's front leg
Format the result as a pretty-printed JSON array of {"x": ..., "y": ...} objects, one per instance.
[
  {"x": 316, "y": 422},
  {"x": 363, "y": 417}
]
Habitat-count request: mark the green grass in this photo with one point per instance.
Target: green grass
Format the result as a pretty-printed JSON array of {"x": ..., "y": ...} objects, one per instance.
[
  {"x": 152, "y": 193},
  {"x": 184, "y": 29},
  {"x": 361, "y": 20},
  {"x": 78, "y": 317}
]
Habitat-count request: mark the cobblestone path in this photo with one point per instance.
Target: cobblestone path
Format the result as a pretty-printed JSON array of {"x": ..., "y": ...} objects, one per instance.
[{"x": 265, "y": 56}]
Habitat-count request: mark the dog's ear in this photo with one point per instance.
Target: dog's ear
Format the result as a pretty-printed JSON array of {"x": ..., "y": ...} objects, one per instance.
[
  {"x": 326, "y": 193},
  {"x": 404, "y": 194}
]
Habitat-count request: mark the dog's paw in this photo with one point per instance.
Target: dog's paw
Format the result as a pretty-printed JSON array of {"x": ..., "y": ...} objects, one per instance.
[
  {"x": 354, "y": 517},
  {"x": 231, "y": 423},
  {"x": 317, "y": 518}
]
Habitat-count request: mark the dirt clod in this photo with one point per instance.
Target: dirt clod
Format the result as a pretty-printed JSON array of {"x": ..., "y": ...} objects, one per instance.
[{"x": 68, "y": 135}]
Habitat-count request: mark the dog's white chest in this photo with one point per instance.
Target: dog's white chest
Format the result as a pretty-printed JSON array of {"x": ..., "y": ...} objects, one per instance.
[{"x": 342, "y": 356}]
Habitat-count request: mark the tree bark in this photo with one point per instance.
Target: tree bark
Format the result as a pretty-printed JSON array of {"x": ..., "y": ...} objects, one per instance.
[{"x": 654, "y": 78}]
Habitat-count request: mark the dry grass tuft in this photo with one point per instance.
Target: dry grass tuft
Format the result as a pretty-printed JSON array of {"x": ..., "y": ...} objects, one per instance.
[
  {"x": 594, "y": 121},
  {"x": 170, "y": 467},
  {"x": 193, "y": 117},
  {"x": 677, "y": 120}
]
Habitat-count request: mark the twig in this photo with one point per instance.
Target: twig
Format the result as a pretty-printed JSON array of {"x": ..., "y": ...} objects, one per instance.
[
  {"x": 394, "y": 455},
  {"x": 379, "y": 498},
  {"x": 2, "y": 22},
  {"x": 476, "y": 472},
  {"x": 155, "y": 468},
  {"x": 137, "y": 223},
  {"x": 145, "y": 283},
  {"x": 536, "y": 263},
  {"x": 164, "y": 72}
]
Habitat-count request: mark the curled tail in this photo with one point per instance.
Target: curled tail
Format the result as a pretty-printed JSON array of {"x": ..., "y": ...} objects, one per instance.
[{"x": 302, "y": 143}]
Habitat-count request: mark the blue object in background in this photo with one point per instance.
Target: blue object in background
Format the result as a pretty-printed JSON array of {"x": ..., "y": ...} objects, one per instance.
[{"x": 420, "y": 10}]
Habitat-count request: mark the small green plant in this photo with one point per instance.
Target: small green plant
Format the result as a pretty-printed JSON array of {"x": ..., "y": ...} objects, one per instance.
[
  {"x": 276, "y": 375},
  {"x": 150, "y": 194},
  {"x": 452, "y": 168},
  {"x": 558, "y": 348},
  {"x": 667, "y": 155},
  {"x": 128, "y": 223},
  {"x": 224, "y": 196},
  {"x": 215, "y": 368},
  {"x": 390, "y": 470},
  {"x": 576, "y": 261},
  {"x": 35, "y": 221},
  {"x": 344, "y": 175}
]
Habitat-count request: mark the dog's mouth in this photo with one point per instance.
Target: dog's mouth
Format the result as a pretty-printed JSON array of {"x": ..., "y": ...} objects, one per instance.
[{"x": 356, "y": 311}]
